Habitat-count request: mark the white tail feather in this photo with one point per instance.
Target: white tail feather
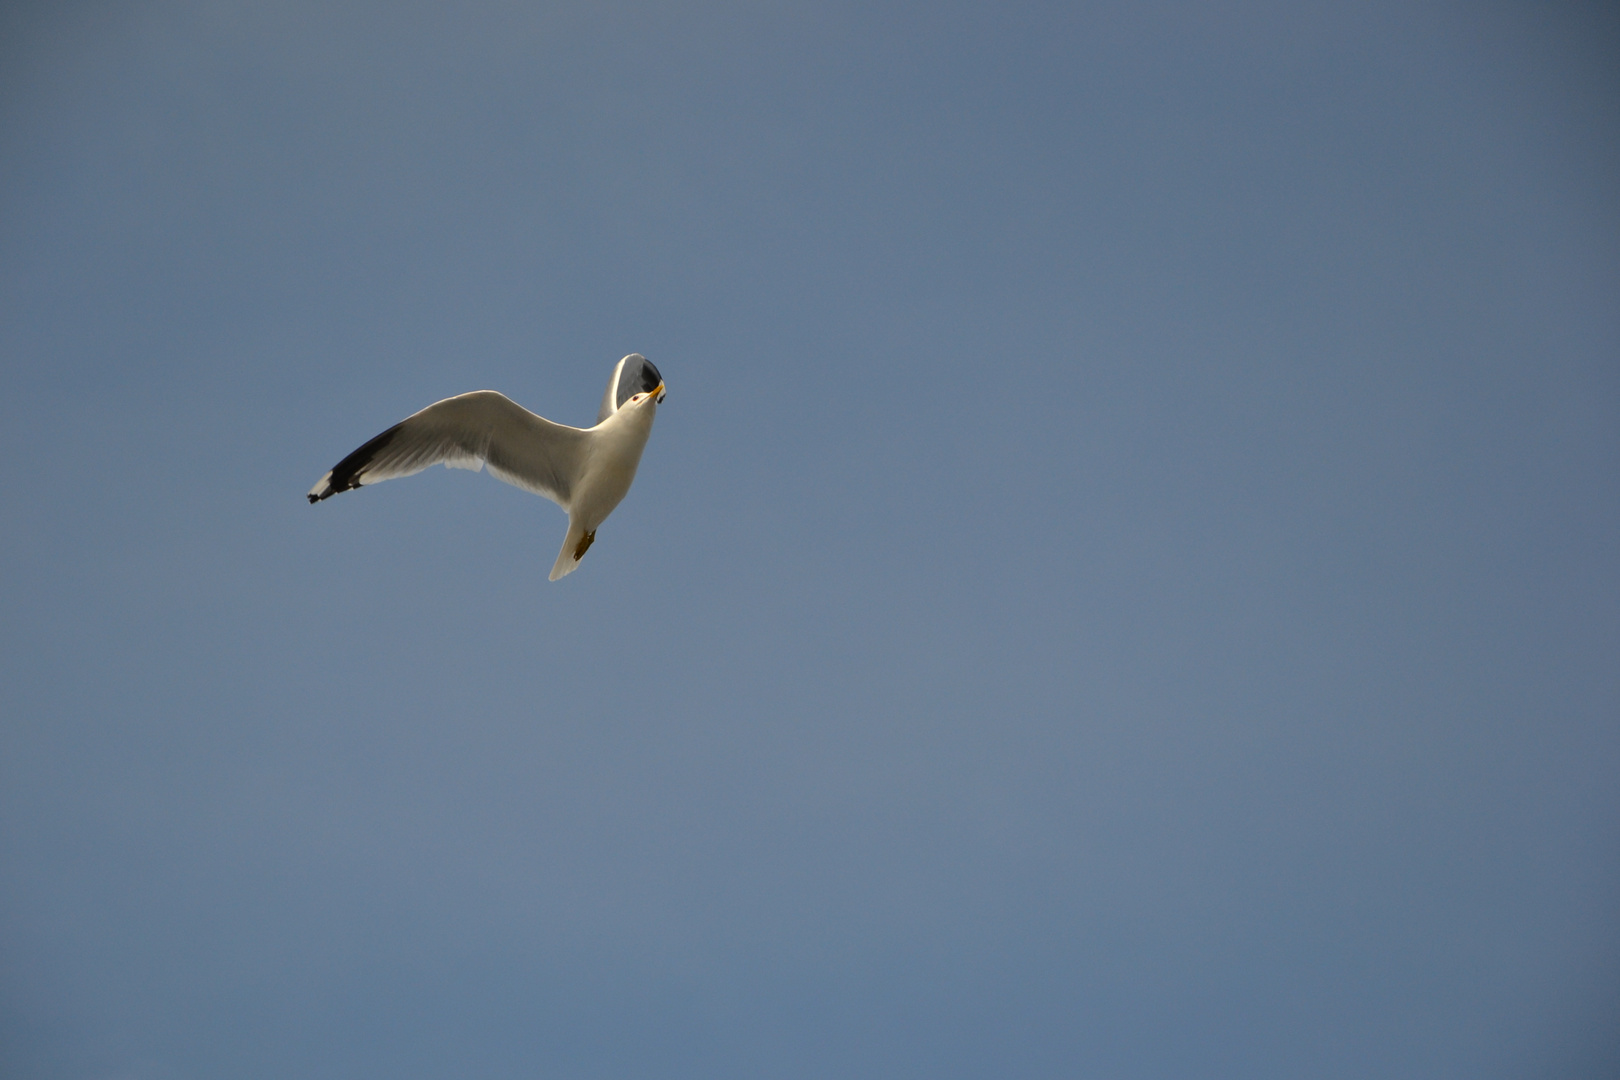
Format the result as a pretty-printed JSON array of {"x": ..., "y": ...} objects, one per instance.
[{"x": 567, "y": 562}]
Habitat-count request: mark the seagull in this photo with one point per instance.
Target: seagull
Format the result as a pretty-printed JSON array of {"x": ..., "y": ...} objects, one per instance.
[{"x": 586, "y": 471}]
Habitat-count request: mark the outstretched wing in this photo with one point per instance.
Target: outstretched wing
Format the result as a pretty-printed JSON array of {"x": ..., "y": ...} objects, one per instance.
[
  {"x": 467, "y": 432},
  {"x": 632, "y": 375}
]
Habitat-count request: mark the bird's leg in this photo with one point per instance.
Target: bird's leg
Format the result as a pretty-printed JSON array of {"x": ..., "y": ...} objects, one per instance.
[{"x": 584, "y": 542}]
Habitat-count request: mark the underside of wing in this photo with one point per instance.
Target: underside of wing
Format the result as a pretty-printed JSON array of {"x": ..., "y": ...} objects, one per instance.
[
  {"x": 634, "y": 374},
  {"x": 468, "y": 432}
]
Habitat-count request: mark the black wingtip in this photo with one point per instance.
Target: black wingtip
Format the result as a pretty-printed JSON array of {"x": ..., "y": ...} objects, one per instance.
[{"x": 345, "y": 475}]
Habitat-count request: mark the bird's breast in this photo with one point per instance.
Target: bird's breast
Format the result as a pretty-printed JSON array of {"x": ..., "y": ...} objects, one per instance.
[{"x": 610, "y": 468}]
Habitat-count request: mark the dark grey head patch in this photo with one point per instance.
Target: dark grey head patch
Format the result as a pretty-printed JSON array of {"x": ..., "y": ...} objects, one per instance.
[
  {"x": 638, "y": 377},
  {"x": 631, "y": 376}
]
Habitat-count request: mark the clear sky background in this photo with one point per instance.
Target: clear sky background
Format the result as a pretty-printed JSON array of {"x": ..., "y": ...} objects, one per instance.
[{"x": 1125, "y": 583}]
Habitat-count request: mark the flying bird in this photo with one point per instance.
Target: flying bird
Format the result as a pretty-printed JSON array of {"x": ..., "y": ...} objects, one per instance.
[{"x": 586, "y": 471}]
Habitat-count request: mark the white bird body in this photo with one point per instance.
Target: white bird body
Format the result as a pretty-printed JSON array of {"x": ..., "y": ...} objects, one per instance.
[
  {"x": 611, "y": 454},
  {"x": 586, "y": 471}
]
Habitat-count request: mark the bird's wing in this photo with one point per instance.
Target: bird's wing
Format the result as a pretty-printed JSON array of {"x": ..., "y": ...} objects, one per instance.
[
  {"x": 634, "y": 374},
  {"x": 467, "y": 432}
]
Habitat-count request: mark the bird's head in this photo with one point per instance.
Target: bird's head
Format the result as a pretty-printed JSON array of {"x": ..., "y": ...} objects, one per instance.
[
  {"x": 646, "y": 398},
  {"x": 641, "y": 376}
]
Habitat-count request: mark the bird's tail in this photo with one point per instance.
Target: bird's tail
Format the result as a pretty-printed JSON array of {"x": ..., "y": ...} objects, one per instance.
[{"x": 573, "y": 548}]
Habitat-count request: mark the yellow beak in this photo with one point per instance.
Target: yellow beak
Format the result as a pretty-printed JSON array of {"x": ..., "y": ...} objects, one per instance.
[{"x": 658, "y": 394}]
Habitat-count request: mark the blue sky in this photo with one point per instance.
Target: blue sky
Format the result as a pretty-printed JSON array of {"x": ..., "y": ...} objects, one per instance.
[{"x": 1123, "y": 584}]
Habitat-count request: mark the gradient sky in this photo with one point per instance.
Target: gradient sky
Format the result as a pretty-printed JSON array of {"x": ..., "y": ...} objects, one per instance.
[{"x": 1125, "y": 583}]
